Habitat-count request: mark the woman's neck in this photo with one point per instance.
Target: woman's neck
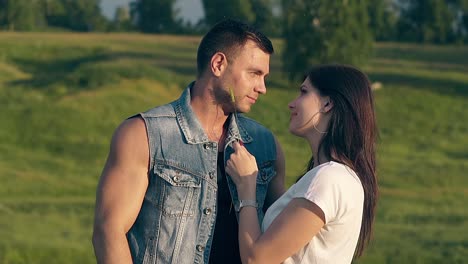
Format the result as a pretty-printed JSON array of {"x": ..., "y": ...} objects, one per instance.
[{"x": 319, "y": 156}]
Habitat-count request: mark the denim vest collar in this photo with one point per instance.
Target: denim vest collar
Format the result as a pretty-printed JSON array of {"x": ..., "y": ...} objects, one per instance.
[{"x": 192, "y": 129}]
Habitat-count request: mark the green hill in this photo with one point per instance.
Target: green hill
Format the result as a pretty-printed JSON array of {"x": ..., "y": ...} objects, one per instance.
[{"x": 63, "y": 94}]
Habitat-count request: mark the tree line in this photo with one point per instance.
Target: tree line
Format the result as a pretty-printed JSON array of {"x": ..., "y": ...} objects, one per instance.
[
  {"x": 427, "y": 21},
  {"x": 315, "y": 31}
]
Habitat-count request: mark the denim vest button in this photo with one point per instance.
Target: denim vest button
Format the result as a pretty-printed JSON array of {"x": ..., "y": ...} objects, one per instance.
[
  {"x": 211, "y": 174},
  {"x": 206, "y": 146},
  {"x": 176, "y": 178},
  {"x": 200, "y": 248},
  {"x": 207, "y": 211}
]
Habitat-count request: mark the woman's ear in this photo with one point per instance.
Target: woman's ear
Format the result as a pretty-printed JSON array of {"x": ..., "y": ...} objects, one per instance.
[
  {"x": 218, "y": 63},
  {"x": 328, "y": 105}
]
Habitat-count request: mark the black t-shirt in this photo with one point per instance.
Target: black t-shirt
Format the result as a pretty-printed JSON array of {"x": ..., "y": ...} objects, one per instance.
[{"x": 225, "y": 245}]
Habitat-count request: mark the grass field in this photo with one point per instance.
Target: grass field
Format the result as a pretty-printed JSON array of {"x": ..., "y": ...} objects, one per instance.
[{"x": 63, "y": 94}]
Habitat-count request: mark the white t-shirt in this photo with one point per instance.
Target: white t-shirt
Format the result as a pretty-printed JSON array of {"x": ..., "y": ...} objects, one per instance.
[{"x": 337, "y": 190}]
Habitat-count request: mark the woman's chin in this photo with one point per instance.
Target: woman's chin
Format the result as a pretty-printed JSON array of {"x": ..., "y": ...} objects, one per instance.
[{"x": 293, "y": 131}]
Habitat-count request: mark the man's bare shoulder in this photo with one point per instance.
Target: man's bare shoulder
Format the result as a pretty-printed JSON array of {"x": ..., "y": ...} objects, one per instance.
[
  {"x": 133, "y": 128},
  {"x": 130, "y": 140}
]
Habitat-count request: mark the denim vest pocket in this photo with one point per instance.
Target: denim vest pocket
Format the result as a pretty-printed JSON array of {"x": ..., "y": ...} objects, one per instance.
[
  {"x": 179, "y": 191},
  {"x": 266, "y": 172}
]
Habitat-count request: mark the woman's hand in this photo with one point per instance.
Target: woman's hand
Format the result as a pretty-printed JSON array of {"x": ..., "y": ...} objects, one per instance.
[{"x": 242, "y": 167}]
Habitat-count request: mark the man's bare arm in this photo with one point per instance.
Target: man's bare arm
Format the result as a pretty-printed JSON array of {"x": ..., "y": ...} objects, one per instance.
[{"x": 120, "y": 192}]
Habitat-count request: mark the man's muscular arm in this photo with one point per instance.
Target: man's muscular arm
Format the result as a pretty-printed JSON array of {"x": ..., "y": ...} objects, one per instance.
[{"x": 120, "y": 192}]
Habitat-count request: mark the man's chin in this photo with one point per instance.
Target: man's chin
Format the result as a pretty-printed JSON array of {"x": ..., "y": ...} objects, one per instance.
[
  {"x": 243, "y": 111},
  {"x": 245, "y": 108}
]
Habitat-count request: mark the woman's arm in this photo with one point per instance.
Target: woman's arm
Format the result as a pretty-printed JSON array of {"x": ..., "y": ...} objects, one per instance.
[
  {"x": 294, "y": 227},
  {"x": 290, "y": 231}
]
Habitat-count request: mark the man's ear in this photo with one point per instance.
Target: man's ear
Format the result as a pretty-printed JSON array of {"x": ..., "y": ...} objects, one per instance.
[{"x": 218, "y": 63}]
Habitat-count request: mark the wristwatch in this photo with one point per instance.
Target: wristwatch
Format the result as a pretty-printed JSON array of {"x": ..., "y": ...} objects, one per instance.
[{"x": 244, "y": 203}]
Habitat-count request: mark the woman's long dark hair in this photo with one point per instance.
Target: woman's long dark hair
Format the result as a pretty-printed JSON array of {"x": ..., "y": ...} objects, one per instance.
[{"x": 352, "y": 132}]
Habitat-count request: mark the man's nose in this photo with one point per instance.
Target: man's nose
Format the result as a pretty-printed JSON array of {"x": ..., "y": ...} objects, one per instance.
[{"x": 261, "y": 87}]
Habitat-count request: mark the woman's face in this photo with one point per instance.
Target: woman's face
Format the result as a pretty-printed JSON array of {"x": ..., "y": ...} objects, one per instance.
[{"x": 306, "y": 111}]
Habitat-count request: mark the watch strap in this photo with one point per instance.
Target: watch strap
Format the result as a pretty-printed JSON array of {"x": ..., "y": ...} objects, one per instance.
[{"x": 244, "y": 203}]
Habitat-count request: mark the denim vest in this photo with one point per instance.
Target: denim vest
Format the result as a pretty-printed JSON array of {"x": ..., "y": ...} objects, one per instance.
[{"x": 177, "y": 218}]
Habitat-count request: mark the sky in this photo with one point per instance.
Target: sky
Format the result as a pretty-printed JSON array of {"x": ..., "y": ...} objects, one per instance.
[{"x": 190, "y": 10}]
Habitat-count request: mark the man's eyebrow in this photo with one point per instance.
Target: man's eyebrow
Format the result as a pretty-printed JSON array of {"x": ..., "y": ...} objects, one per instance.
[{"x": 256, "y": 70}]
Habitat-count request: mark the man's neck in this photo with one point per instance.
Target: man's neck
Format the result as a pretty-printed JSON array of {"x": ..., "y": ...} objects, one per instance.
[{"x": 209, "y": 112}]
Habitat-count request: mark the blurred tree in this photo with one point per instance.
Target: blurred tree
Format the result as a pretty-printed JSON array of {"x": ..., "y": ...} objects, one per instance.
[
  {"x": 216, "y": 10},
  {"x": 20, "y": 15},
  {"x": 121, "y": 20},
  {"x": 464, "y": 24},
  {"x": 121, "y": 14},
  {"x": 265, "y": 20},
  {"x": 426, "y": 21},
  {"x": 156, "y": 16},
  {"x": 460, "y": 9},
  {"x": 383, "y": 19},
  {"x": 133, "y": 6},
  {"x": 84, "y": 15},
  {"x": 55, "y": 13},
  {"x": 77, "y": 15},
  {"x": 321, "y": 31}
]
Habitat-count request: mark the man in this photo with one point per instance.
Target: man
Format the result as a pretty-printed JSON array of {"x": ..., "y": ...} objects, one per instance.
[{"x": 163, "y": 196}]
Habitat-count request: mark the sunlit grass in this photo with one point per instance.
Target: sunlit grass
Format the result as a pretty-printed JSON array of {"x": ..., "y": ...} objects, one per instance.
[{"x": 63, "y": 94}]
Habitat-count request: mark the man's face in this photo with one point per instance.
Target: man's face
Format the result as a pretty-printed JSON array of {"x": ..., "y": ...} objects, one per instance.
[{"x": 246, "y": 74}]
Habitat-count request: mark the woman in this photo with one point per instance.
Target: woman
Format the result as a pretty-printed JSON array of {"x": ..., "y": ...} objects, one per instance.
[{"x": 327, "y": 216}]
